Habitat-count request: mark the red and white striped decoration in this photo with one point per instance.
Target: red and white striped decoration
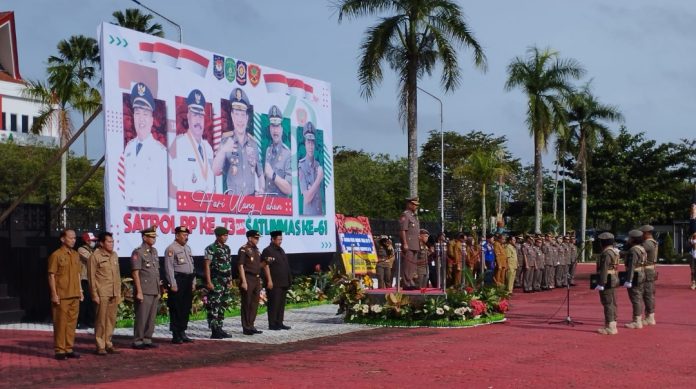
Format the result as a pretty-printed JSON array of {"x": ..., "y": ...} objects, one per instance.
[
  {"x": 275, "y": 83},
  {"x": 193, "y": 62},
  {"x": 296, "y": 87},
  {"x": 217, "y": 132},
  {"x": 121, "y": 176},
  {"x": 146, "y": 49},
  {"x": 165, "y": 54}
]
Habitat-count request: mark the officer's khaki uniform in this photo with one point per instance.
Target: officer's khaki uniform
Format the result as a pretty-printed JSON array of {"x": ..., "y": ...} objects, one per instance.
[
  {"x": 409, "y": 223},
  {"x": 422, "y": 266},
  {"x": 500, "y": 263},
  {"x": 64, "y": 264},
  {"x": 105, "y": 282},
  {"x": 607, "y": 265},
  {"x": 512, "y": 264},
  {"x": 178, "y": 268},
  {"x": 250, "y": 260},
  {"x": 635, "y": 273},
  {"x": 650, "y": 246},
  {"x": 146, "y": 261}
]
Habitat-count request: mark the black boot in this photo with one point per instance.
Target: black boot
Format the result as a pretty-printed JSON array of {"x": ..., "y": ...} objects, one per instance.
[
  {"x": 216, "y": 334},
  {"x": 176, "y": 338}
]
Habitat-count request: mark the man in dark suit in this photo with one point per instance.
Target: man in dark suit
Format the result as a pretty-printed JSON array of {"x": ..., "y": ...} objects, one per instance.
[{"x": 277, "y": 261}]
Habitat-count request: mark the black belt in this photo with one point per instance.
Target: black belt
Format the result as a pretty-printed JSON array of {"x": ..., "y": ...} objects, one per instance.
[{"x": 176, "y": 273}]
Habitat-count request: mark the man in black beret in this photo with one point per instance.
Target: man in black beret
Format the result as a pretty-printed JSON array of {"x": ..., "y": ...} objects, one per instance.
[{"x": 277, "y": 261}]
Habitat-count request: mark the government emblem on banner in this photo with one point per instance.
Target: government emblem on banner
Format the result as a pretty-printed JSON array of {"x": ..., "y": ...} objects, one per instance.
[
  {"x": 254, "y": 74},
  {"x": 218, "y": 67},
  {"x": 230, "y": 69},
  {"x": 241, "y": 73}
]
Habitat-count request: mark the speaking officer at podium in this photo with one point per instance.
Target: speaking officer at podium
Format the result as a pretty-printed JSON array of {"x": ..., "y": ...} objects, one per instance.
[{"x": 277, "y": 262}]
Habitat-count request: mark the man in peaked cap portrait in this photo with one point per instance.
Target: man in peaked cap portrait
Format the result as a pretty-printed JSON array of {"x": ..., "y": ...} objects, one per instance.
[
  {"x": 311, "y": 175},
  {"x": 238, "y": 156},
  {"x": 192, "y": 156},
  {"x": 277, "y": 170},
  {"x": 145, "y": 157}
]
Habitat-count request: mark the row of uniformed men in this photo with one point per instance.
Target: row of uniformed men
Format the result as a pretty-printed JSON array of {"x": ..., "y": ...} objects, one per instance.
[
  {"x": 546, "y": 262},
  {"x": 105, "y": 286}
]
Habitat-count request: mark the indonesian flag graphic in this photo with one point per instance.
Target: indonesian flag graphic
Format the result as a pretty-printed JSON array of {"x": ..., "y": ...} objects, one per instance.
[
  {"x": 276, "y": 83},
  {"x": 309, "y": 91},
  {"x": 165, "y": 54},
  {"x": 146, "y": 49},
  {"x": 296, "y": 87},
  {"x": 193, "y": 62}
]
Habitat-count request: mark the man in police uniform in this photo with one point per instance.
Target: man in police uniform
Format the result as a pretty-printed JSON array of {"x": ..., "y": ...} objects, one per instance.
[
  {"x": 66, "y": 294},
  {"x": 277, "y": 170},
  {"x": 529, "y": 263},
  {"x": 218, "y": 281},
  {"x": 238, "y": 156},
  {"x": 250, "y": 266},
  {"x": 608, "y": 280},
  {"x": 192, "y": 156},
  {"x": 146, "y": 281},
  {"x": 145, "y": 157},
  {"x": 650, "y": 246},
  {"x": 549, "y": 251},
  {"x": 105, "y": 284},
  {"x": 409, "y": 227},
  {"x": 540, "y": 264},
  {"x": 573, "y": 258},
  {"x": 277, "y": 261},
  {"x": 181, "y": 279},
  {"x": 311, "y": 175},
  {"x": 635, "y": 276},
  {"x": 422, "y": 261}
]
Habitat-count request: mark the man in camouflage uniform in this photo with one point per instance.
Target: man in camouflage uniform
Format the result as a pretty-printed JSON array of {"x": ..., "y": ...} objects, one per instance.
[
  {"x": 218, "y": 279},
  {"x": 635, "y": 276},
  {"x": 650, "y": 245}
]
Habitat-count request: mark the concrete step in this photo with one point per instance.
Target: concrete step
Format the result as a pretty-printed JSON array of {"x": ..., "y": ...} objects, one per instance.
[
  {"x": 9, "y": 303},
  {"x": 11, "y": 316}
]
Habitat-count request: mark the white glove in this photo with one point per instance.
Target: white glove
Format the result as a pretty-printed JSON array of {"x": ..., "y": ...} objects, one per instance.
[
  {"x": 627, "y": 284},
  {"x": 599, "y": 288}
]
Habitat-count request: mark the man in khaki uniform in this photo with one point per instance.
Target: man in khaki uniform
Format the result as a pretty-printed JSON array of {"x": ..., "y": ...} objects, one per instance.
[
  {"x": 104, "y": 276},
  {"x": 635, "y": 276},
  {"x": 650, "y": 246},
  {"x": 512, "y": 262},
  {"x": 500, "y": 260},
  {"x": 607, "y": 281},
  {"x": 528, "y": 260},
  {"x": 250, "y": 266},
  {"x": 455, "y": 251},
  {"x": 409, "y": 233},
  {"x": 146, "y": 281},
  {"x": 64, "y": 283}
]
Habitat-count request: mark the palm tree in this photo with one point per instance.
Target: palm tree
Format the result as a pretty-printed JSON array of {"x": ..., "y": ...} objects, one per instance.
[
  {"x": 138, "y": 21},
  {"x": 587, "y": 118},
  {"x": 562, "y": 148},
  {"x": 544, "y": 78},
  {"x": 82, "y": 54},
  {"x": 412, "y": 40}
]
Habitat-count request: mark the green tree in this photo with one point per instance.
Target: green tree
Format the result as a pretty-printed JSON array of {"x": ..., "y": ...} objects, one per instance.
[
  {"x": 586, "y": 119},
  {"x": 545, "y": 78},
  {"x": 413, "y": 39},
  {"x": 138, "y": 21}
]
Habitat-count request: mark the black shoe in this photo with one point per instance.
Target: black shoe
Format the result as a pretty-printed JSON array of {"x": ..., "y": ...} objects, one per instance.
[
  {"x": 248, "y": 332},
  {"x": 274, "y": 328},
  {"x": 61, "y": 357},
  {"x": 257, "y": 331},
  {"x": 139, "y": 346},
  {"x": 185, "y": 338},
  {"x": 217, "y": 334},
  {"x": 284, "y": 327},
  {"x": 150, "y": 345},
  {"x": 72, "y": 355},
  {"x": 177, "y": 340}
]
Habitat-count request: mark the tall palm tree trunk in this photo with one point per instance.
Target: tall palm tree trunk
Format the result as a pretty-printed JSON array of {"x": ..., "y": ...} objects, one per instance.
[
  {"x": 484, "y": 224},
  {"x": 538, "y": 180},
  {"x": 555, "y": 188},
  {"x": 583, "y": 205},
  {"x": 412, "y": 124}
]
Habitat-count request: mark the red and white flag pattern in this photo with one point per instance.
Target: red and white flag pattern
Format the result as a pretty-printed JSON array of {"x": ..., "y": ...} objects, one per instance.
[
  {"x": 217, "y": 132},
  {"x": 193, "y": 62},
  {"x": 165, "y": 54},
  {"x": 121, "y": 176},
  {"x": 276, "y": 83}
]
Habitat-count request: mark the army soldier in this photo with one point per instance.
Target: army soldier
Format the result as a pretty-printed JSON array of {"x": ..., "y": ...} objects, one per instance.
[
  {"x": 105, "y": 288},
  {"x": 86, "y": 317},
  {"x": 146, "y": 281},
  {"x": 218, "y": 280},
  {"x": 192, "y": 156},
  {"x": 607, "y": 280},
  {"x": 311, "y": 175},
  {"x": 650, "y": 246},
  {"x": 635, "y": 276},
  {"x": 250, "y": 265},
  {"x": 181, "y": 280},
  {"x": 409, "y": 233},
  {"x": 66, "y": 294},
  {"x": 279, "y": 266},
  {"x": 277, "y": 170},
  {"x": 238, "y": 155},
  {"x": 422, "y": 261},
  {"x": 145, "y": 157},
  {"x": 512, "y": 263}
]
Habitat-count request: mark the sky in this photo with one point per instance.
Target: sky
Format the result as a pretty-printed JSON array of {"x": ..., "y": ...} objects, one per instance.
[{"x": 639, "y": 54}]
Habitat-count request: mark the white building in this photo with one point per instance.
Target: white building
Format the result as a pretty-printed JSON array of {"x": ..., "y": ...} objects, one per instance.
[{"x": 18, "y": 112}]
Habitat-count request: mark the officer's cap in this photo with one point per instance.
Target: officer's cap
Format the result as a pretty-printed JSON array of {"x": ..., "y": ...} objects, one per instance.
[
  {"x": 423, "y": 231},
  {"x": 635, "y": 234},
  {"x": 414, "y": 200},
  {"x": 308, "y": 131},
  {"x": 219, "y": 231},
  {"x": 252, "y": 234},
  {"x": 275, "y": 234},
  {"x": 239, "y": 99},
  {"x": 646, "y": 228},
  {"x": 196, "y": 102},
  {"x": 182, "y": 229},
  {"x": 89, "y": 237},
  {"x": 149, "y": 232},
  {"x": 141, "y": 97},
  {"x": 606, "y": 236},
  {"x": 275, "y": 116}
]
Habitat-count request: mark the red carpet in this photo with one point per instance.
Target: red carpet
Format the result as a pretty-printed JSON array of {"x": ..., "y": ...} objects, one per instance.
[{"x": 524, "y": 352}]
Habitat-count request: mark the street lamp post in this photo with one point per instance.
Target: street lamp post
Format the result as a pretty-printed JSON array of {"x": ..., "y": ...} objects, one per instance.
[
  {"x": 442, "y": 163},
  {"x": 163, "y": 17}
]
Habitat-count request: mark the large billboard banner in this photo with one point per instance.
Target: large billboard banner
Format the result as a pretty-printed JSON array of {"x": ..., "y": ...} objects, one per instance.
[{"x": 203, "y": 139}]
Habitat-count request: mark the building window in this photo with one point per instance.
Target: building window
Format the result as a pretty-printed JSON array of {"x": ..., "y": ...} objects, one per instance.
[
  {"x": 25, "y": 124},
  {"x": 13, "y": 122},
  {"x": 4, "y": 121}
]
